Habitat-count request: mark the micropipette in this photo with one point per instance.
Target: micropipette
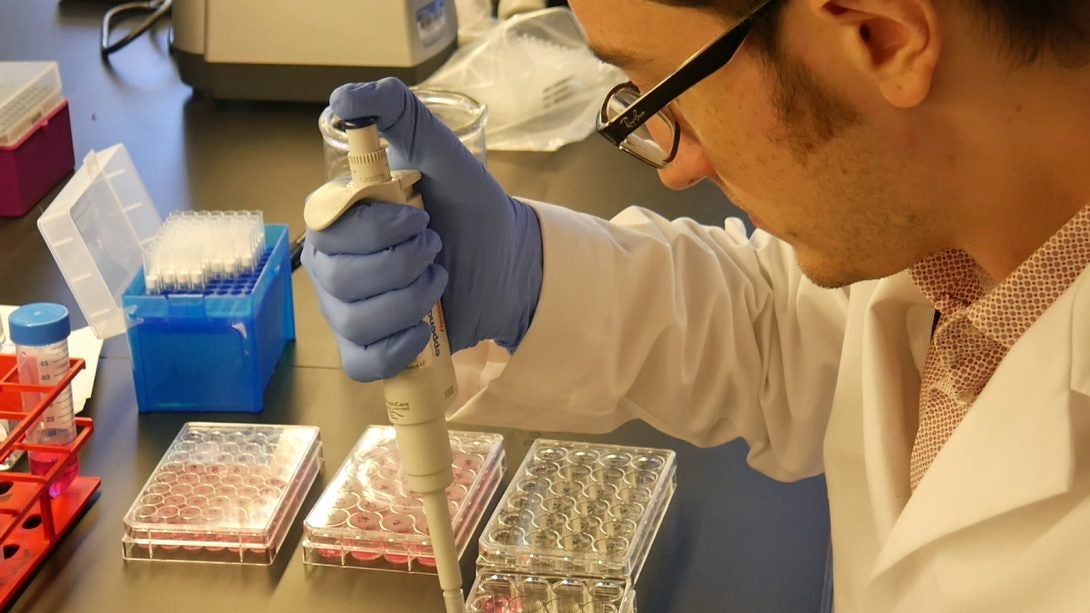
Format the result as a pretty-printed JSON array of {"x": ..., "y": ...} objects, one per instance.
[{"x": 416, "y": 398}]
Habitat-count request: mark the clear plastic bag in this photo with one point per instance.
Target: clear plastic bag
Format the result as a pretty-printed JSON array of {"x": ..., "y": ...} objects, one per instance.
[
  {"x": 474, "y": 19},
  {"x": 542, "y": 85}
]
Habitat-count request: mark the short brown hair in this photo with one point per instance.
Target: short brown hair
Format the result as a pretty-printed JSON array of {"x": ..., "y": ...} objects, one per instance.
[
  {"x": 763, "y": 36},
  {"x": 1030, "y": 30}
]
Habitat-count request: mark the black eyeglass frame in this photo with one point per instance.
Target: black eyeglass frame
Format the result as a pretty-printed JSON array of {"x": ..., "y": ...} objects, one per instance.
[{"x": 699, "y": 66}]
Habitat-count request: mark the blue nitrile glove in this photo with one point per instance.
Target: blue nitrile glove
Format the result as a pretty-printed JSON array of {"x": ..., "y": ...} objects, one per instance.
[{"x": 379, "y": 269}]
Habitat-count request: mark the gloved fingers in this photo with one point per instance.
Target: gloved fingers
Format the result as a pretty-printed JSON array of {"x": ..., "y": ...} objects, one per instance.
[
  {"x": 364, "y": 322},
  {"x": 350, "y": 278},
  {"x": 369, "y": 227},
  {"x": 386, "y": 357},
  {"x": 417, "y": 138}
]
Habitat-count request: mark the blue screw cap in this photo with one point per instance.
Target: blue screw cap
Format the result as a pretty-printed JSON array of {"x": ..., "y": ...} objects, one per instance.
[{"x": 38, "y": 324}]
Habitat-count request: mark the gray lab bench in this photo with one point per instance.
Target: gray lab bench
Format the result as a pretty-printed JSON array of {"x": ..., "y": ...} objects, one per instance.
[{"x": 733, "y": 540}]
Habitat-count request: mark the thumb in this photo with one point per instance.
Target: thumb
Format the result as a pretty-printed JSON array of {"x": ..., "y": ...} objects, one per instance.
[{"x": 416, "y": 136}]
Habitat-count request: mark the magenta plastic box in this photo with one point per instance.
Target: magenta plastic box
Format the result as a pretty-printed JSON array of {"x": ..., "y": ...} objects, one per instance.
[
  {"x": 35, "y": 134},
  {"x": 223, "y": 493},
  {"x": 367, "y": 517}
]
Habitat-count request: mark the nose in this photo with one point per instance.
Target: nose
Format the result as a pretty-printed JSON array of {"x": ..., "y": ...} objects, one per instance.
[{"x": 689, "y": 167}]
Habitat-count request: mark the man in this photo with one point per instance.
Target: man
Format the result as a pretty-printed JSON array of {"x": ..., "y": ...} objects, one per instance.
[{"x": 911, "y": 318}]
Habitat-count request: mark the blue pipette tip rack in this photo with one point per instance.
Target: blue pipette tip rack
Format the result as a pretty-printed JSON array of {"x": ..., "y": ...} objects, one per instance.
[{"x": 215, "y": 350}]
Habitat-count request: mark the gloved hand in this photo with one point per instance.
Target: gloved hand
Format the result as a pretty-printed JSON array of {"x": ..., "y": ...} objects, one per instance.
[{"x": 378, "y": 270}]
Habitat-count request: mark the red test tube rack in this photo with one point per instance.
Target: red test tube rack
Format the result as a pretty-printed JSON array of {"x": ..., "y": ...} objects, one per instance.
[{"x": 31, "y": 523}]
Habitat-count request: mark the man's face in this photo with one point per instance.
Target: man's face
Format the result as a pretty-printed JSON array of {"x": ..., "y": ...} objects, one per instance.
[{"x": 805, "y": 145}]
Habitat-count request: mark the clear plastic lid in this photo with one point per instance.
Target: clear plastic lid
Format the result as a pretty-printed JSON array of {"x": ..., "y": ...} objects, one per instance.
[
  {"x": 580, "y": 509},
  {"x": 28, "y": 92},
  {"x": 223, "y": 493},
  {"x": 368, "y": 518},
  {"x": 96, "y": 228}
]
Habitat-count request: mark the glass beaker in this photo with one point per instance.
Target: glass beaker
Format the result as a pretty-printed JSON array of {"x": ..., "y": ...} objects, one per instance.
[{"x": 463, "y": 115}]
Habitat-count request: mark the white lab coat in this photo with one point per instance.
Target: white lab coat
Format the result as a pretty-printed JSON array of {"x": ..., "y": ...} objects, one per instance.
[{"x": 708, "y": 335}]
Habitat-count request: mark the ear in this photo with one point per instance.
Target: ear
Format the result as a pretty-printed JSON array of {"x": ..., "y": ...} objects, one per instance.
[{"x": 897, "y": 41}]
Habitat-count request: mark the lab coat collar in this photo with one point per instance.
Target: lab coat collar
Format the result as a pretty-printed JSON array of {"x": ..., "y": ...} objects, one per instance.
[
  {"x": 897, "y": 310},
  {"x": 1013, "y": 448}
]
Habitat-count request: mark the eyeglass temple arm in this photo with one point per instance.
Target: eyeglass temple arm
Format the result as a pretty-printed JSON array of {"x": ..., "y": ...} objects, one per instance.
[{"x": 699, "y": 66}]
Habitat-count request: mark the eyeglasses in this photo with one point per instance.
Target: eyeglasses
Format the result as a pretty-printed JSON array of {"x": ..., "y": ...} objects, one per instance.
[{"x": 641, "y": 124}]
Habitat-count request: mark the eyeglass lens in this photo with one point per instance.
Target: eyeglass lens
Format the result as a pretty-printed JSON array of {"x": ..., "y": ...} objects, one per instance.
[{"x": 654, "y": 140}]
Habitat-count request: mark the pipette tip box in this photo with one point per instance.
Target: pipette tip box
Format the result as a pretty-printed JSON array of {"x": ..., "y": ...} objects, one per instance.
[
  {"x": 35, "y": 134},
  {"x": 209, "y": 351},
  {"x": 573, "y": 529},
  {"x": 367, "y": 517},
  {"x": 223, "y": 493},
  {"x": 214, "y": 350}
]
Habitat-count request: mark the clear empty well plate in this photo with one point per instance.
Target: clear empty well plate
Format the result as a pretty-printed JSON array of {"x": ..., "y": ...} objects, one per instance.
[
  {"x": 521, "y": 593},
  {"x": 368, "y": 518},
  {"x": 580, "y": 510},
  {"x": 223, "y": 493}
]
